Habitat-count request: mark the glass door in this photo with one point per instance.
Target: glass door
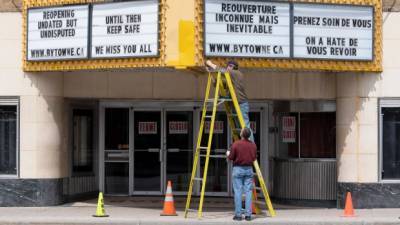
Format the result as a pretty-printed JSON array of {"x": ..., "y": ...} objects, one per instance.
[
  {"x": 148, "y": 153},
  {"x": 179, "y": 148},
  {"x": 217, "y": 174},
  {"x": 255, "y": 126},
  {"x": 116, "y": 151}
]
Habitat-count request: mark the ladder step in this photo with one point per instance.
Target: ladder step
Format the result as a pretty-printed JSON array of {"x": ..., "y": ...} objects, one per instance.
[
  {"x": 258, "y": 188},
  {"x": 237, "y": 129},
  {"x": 214, "y": 156},
  {"x": 210, "y": 100},
  {"x": 192, "y": 210},
  {"x": 259, "y": 202},
  {"x": 203, "y": 148},
  {"x": 198, "y": 179}
]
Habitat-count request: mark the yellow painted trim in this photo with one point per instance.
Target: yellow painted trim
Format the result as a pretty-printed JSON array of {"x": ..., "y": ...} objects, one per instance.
[
  {"x": 91, "y": 64},
  {"x": 186, "y": 46},
  {"x": 295, "y": 64}
]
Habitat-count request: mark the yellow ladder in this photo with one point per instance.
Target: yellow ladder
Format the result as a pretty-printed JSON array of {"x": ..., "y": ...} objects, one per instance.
[{"x": 224, "y": 94}]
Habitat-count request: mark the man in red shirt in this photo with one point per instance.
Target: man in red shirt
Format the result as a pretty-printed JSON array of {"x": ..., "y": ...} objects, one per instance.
[{"x": 243, "y": 153}]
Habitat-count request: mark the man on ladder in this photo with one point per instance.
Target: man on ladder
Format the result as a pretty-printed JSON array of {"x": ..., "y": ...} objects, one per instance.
[
  {"x": 232, "y": 68},
  {"x": 243, "y": 152}
]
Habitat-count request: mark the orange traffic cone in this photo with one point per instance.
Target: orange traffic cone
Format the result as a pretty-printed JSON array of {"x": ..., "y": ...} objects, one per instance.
[
  {"x": 169, "y": 207},
  {"x": 254, "y": 208},
  {"x": 348, "y": 208}
]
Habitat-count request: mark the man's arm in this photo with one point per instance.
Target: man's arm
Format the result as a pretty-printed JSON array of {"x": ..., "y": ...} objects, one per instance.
[{"x": 232, "y": 153}]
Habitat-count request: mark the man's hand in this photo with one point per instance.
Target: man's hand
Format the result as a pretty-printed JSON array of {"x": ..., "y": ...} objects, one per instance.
[{"x": 210, "y": 64}]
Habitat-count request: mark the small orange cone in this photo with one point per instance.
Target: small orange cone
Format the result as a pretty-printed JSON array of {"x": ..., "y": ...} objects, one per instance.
[
  {"x": 169, "y": 207},
  {"x": 254, "y": 208},
  {"x": 348, "y": 208}
]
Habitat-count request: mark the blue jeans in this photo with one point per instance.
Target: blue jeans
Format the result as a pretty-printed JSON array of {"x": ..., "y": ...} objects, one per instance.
[
  {"x": 244, "y": 108},
  {"x": 242, "y": 177}
]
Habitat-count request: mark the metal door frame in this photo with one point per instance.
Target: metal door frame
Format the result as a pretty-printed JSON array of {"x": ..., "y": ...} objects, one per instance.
[
  {"x": 101, "y": 140},
  {"x": 161, "y": 153},
  {"x": 384, "y": 103},
  {"x": 194, "y": 135}
]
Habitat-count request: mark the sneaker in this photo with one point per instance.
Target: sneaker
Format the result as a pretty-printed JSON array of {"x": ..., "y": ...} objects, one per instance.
[
  {"x": 247, "y": 218},
  {"x": 237, "y": 218}
]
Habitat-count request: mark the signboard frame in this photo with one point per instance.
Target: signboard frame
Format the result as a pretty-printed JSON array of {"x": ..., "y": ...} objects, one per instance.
[
  {"x": 247, "y": 57},
  {"x": 291, "y": 33},
  {"x": 92, "y": 64},
  {"x": 296, "y": 64},
  {"x": 64, "y": 59},
  {"x": 124, "y": 57},
  {"x": 332, "y": 59}
]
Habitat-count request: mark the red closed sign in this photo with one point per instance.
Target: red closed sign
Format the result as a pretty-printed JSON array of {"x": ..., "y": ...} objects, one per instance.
[
  {"x": 288, "y": 129},
  {"x": 218, "y": 127},
  {"x": 147, "y": 128},
  {"x": 178, "y": 127}
]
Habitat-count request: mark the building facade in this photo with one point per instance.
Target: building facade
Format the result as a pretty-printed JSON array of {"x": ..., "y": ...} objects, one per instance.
[{"x": 123, "y": 125}]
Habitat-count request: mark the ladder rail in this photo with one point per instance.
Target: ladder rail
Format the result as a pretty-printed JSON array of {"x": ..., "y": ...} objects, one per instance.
[
  {"x": 210, "y": 137},
  {"x": 234, "y": 99},
  {"x": 229, "y": 111},
  {"x": 264, "y": 189},
  {"x": 198, "y": 144}
]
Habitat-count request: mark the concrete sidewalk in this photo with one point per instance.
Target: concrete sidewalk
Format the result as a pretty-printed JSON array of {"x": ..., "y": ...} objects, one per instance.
[{"x": 144, "y": 212}]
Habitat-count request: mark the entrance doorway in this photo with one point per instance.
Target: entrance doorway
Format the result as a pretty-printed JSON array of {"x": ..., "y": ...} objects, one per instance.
[{"x": 141, "y": 148}]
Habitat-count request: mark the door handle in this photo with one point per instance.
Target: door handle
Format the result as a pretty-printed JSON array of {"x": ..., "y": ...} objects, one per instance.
[{"x": 153, "y": 150}]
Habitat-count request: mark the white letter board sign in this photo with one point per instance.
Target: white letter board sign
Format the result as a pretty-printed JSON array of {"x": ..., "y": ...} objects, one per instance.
[
  {"x": 258, "y": 29},
  {"x": 127, "y": 29},
  {"x": 57, "y": 33},
  {"x": 322, "y": 31}
]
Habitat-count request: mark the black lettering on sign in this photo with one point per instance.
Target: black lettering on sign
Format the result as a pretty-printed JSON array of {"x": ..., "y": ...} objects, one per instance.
[
  {"x": 145, "y": 48},
  {"x": 58, "y": 14},
  {"x": 133, "y": 18},
  {"x": 72, "y": 22},
  {"x": 268, "y": 19},
  {"x": 331, "y": 22},
  {"x": 248, "y": 28},
  {"x": 114, "y": 29},
  {"x": 99, "y": 50},
  {"x": 114, "y": 19},
  {"x": 345, "y": 22},
  {"x": 362, "y": 23},
  {"x": 353, "y": 42},
  {"x": 310, "y": 40},
  {"x": 335, "y": 41},
  {"x": 313, "y": 50},
  {"x": 50, "y": 24},
  {"x": 57, "y": 33},
  {"x": 306, "y": 20},
  {"x": 131, "y": 29},
  {"x": 129, "y": 49},
  {"x": 339, "y": 51},
  {"x": 113, "y": 49},
  {"x": 248, "y": 8},
  {"x": 234, "y": 18},
  {"x": 321, "y": 41}
]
